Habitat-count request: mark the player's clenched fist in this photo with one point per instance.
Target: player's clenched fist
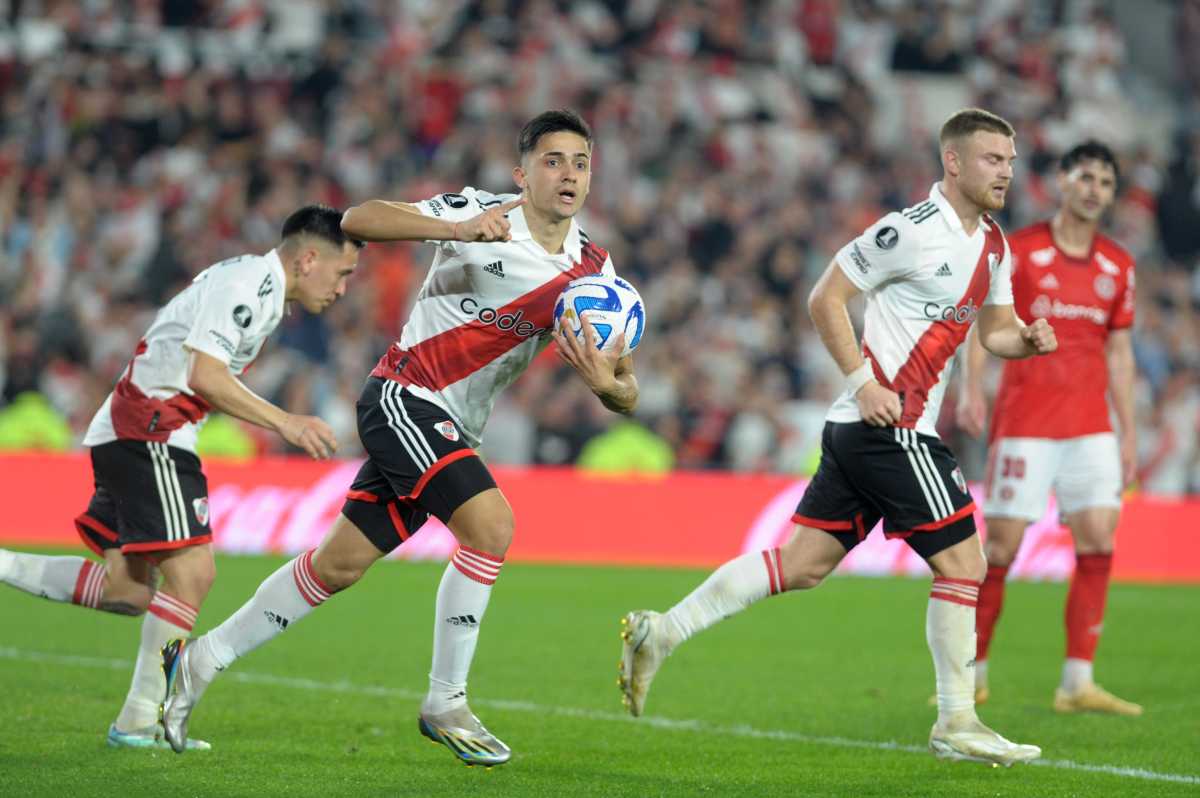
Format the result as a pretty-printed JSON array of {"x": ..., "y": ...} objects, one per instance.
[
  {"x": 1040, "y": 337},
  {"x": 879, "y": 406},
  {"x": 489, "y": 225}
]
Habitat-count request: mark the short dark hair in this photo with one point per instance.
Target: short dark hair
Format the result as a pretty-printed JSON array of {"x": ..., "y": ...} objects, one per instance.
[
  {"x": 972, "y": 120},
  {"x": 551, "y": 122},
  {"x": 1090, "y": 150},
  {"x": 320, "y": 221}
]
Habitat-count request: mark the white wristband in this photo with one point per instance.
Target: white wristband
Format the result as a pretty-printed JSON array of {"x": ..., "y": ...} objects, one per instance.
[{"x": 856, "y": 379}]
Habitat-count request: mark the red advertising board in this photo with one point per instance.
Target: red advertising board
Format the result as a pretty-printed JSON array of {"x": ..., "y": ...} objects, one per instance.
[{"x": 688, "y": 519}]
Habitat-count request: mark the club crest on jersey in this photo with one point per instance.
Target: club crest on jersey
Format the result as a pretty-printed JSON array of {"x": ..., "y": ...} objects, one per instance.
[
  {"x": 1106, "y": 287},
  {"x": 200, "y": 508},
  {"x": 242, "y": 316},
  {"x": 959, "y": 479},
  {"x": 993, "y": 261},
  {"x": 447, "y": 430},
  {"x": 887, "y": 237}
]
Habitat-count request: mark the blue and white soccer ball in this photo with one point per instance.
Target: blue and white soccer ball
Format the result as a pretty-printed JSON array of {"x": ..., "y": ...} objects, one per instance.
[{"x": 611, "y": 304}]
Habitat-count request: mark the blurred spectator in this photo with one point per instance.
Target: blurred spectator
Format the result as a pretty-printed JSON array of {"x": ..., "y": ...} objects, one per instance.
[{"x": 738, "y": 146}]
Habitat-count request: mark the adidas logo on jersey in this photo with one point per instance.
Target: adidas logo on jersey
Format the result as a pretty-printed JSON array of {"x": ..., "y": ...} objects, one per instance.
[
  {"x": 1048, "y": 283},
  {"x": 496, "y": 268},
  {"x": 944, "y": 271}
]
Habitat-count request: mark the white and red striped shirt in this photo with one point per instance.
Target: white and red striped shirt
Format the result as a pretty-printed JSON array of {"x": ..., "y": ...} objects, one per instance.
[
  {"x": 484, "y": 311},
  {"x": 227, "y": 312},
  {"x": 925, "y": 280}
]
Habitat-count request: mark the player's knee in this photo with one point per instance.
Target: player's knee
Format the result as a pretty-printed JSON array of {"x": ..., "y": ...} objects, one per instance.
[
  {"x": 335, "y": 575},
  {"x": 1000, "y": 554},
  {"x": 803, "y": 578},
  {"x": 492, "y": 536}
]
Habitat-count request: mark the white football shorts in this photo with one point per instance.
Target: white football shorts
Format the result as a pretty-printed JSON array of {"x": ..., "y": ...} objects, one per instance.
[{"x": 1083, "y": 472}]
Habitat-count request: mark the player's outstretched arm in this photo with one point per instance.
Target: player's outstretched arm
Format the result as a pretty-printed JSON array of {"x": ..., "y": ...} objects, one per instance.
[
  {"x": 381, "y": 220},
  {"x": 1003, "y": 333},
  {"x": 609, "y": 375},
  {"x": 972, "y": 404},
  {"x": 211, "y": 380},
  {"x": 878, "y": 405}
]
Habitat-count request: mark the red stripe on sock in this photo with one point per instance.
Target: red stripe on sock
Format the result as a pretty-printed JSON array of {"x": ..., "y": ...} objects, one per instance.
[
  {"x": 173, "y": 611},
  {"x": 774, "y": 585},
  {"x": 470, "y": 573},
  {"x": 311, "y": 588},
  {"x": 498, "y": 560},
  {"x": 952, "y": 598},
  {"x": 82, "y": 591}
]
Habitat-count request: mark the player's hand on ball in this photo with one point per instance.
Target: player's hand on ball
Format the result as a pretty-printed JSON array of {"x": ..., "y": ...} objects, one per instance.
[
  {"x": 489, "y": 225},
  {"x": 311, "y": 434},
  {"x": 879, "y": 406},
  {"x": 1040, "y": 337},
  {"x": 597, "y": 367}
]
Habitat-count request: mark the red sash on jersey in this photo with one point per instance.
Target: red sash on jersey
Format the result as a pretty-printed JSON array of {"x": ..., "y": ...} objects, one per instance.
[
  {"x": 926, "y": 361},
  {"x": 138, "y": 417},
  {"x": 444, "y": 359}
]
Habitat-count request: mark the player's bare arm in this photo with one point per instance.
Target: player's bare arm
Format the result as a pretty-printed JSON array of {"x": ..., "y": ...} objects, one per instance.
[
  {"x": 1003, "y": 333},
  {"x": 827, "y": 306},
  {"x": 1121, "y": 375},
  {"x": 383, "y": 220},
  {"x": 211, "y": 380},
  {"x": 609, "y": 375},
  {"x": 972, "y": 404}
]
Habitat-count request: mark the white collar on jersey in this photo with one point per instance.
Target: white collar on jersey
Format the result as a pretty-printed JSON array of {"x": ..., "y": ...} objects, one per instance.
[
  {"x": 519, "y": 230},
  {"x": 948, "y": 213}
]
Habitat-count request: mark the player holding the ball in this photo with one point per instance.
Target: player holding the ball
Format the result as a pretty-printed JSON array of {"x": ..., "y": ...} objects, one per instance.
[
  {"x": 484, "y": 313},
  {"x": 927, "y": 273}
]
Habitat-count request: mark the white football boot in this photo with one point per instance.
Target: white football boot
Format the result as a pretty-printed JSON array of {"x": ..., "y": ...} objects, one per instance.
[
  {"x": 971, "y": 741},
  {"x": 184, "y": 689},
  {"x": 644, "y": 646},
  {"x": 461, "y": 732}
]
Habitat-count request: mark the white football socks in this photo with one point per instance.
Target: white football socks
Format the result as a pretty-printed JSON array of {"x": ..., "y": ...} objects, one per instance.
[
  {"x": 166, "y": 619},
  {"x": 1076, "y": 674},
  {"x": 462, "y": 599},
  {"x": 728, "y": 590},
  {"x": 950, "y": 632},
  {"x": 72, "y": 579},
  {"x": 283, "y": 598}
]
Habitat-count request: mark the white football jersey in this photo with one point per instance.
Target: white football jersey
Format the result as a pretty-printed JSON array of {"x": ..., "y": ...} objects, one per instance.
[
  {"x": 484, "y": 312},
  {"x": 227, "y": 312},
  {"x": 924, "y": 279}
]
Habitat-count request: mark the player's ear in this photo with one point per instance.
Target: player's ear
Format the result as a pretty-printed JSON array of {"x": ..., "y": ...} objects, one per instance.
[
  {"x": 519, "y": 177},
  {"x": 950, "y": 161}
]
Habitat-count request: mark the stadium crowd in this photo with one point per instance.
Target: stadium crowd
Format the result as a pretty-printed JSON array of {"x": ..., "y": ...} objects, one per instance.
[{"x": 738, "y": 145}]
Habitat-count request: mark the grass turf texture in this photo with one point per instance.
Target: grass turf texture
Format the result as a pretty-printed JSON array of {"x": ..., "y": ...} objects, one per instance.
[{"x": 847, "y": 660}]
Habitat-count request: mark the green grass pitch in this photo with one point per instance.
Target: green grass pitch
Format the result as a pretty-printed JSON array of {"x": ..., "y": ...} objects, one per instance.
[{"x": 816, "y": 693}]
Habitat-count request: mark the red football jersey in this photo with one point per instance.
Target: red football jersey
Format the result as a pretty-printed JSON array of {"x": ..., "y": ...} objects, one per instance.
[{"x": 1064, "y": 394}]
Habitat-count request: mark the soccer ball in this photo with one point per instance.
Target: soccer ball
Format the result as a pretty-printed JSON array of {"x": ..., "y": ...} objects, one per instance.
[{"x": 612, "y": 306}]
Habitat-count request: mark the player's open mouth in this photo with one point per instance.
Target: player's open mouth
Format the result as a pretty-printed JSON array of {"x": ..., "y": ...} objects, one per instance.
[{"x": 567, "y": 196}]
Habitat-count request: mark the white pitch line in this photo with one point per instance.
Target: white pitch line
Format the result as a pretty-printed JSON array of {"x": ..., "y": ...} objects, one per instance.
[{"x": 671, "y": 724}]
